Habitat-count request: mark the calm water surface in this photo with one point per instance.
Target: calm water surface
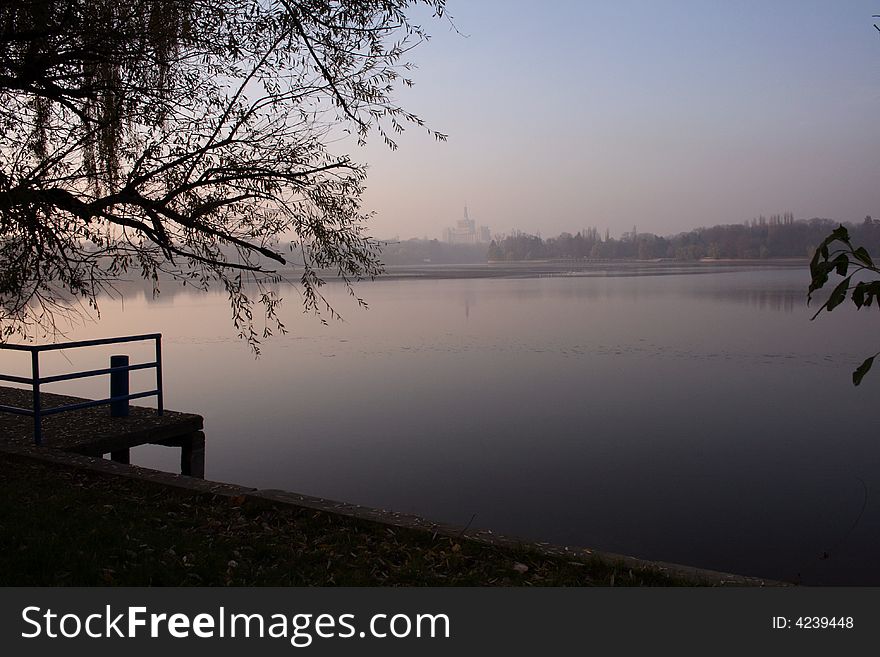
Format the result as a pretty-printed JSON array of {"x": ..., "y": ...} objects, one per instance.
[{"x": 700, "y": 419}]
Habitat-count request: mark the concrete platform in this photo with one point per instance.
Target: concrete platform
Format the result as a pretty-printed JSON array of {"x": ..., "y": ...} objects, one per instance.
[{"x": 93, "y": 432}]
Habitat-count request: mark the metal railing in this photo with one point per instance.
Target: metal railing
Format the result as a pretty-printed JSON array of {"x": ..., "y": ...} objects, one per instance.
[{"x": 36, "y": 381}]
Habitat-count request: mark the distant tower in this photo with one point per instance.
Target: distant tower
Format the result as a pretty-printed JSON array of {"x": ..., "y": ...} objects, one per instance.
[{"x": 466, "y": 231}]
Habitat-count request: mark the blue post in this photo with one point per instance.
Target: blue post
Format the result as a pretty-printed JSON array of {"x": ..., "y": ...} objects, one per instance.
[
  {"x": 119, "y": 386},
  {"x": 35, "y": 376},
  {"x": 160, "y": 397}
]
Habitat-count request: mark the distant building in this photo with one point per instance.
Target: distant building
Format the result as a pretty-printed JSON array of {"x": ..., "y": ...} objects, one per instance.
[{"x": 466, "y": 232}]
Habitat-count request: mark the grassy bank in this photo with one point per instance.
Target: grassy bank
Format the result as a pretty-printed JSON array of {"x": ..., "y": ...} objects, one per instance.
[{"x": 64, "y": 525}]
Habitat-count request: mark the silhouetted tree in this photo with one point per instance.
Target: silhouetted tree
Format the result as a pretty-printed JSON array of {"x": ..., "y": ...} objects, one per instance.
[{"x": 190, "y": 138}]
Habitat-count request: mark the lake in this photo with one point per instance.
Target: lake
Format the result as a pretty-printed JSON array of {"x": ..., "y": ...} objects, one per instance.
[{"x": 698, "y": 418}]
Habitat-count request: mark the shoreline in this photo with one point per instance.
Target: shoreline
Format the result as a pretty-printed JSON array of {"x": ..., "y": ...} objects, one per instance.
[
  {"x": 576, "y": 269},
  {"x": 532, "y": 269},
  {"x": 567, "y": 565}
]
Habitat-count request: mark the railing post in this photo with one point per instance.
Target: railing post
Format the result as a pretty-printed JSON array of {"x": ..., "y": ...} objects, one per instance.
[
  {"x": 119, "y": 379},
  {"x": 35, "y": 376},
  {"x": 119, "y": 386},
  {"x": 160, "y": 405}
]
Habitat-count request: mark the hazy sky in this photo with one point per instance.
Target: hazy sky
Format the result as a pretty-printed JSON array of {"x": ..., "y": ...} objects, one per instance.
[{"x": 668, "y": 116}]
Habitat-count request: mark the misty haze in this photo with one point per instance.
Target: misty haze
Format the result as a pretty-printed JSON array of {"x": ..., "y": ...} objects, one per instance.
[{"x": 544, "y": 274}]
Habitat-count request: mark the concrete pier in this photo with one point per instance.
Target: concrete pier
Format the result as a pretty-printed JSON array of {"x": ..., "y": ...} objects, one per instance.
[{"x": 95, "y": 432}]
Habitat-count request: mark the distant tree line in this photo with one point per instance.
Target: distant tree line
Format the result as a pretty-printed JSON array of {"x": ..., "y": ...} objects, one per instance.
[
  {"x": 416, "y": 252},
  {"x": 776, "y": 236},
  {"x": 779, "y": 236}
]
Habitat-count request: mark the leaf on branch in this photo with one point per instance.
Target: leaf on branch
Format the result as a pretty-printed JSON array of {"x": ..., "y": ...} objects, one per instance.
[
  {"x": 814, "y": 261},
  {"x": 858, "y": 294},
  {"x": 840, "y": 234},
  {"x": 819, "y": 274},
  {"x": 872, "y": 291},
  {"x": 821, "y": 254},
  {"x": 836, "y": 297},
  {"x": 862, "y": 370},
  {"x": 863, "y": 256},
  {"x": 863, "y": 293}
]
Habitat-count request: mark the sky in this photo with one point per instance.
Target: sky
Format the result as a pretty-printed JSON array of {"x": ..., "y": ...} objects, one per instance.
[{"x": 665, "y": 116}]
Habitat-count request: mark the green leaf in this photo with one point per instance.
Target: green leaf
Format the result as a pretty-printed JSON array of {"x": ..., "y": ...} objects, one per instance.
[
  {"x": 838, "y": 295},
  {"x": 872, "y": 291},
  {"x": 862, "y": 369},
  {"x": 863, "y": 256},
  {"x": 858, "y": 294},
  {"x": 820, "y": 277},
  {"x": 819, "y": 268},
  {"x": 841, "y": 264}
]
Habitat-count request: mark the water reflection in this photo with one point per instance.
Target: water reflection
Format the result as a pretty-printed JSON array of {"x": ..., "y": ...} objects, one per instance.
[{"x": 752, "y": 289}]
